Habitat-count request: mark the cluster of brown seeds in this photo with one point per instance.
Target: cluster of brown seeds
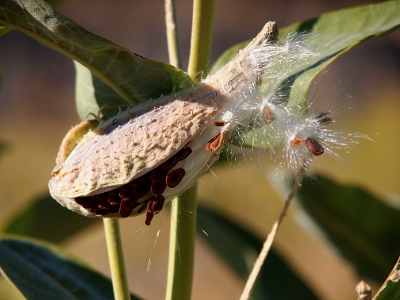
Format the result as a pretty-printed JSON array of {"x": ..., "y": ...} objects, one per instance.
[
  {"x": 311, "y": 144},
  {"x": 150, "y": 186}
]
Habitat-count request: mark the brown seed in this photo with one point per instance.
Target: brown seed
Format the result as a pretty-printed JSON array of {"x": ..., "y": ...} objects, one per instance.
[
  {"x": 150, "y": 204},
  {"x": 126, "y": 207},
  {"x": 220, "y": 123},
  {"x": 93, "y": 203},
  {"x": 142, "y": 190},
  {"x": 125, "y": 195},
  {"x": 157, "y": 208},
  {"x": 113, "y": 209},
  {"x": 175, "y": 177},
  {"x": 149, "y": 218},
  {"x": 182, "y": 154},
  {"x": 135, "y": 184},
  {"x": 158, "y": 175},
  {"x": 314, "y": 147},
  {"x": 296, "y": 142},
  {"x": 215, "y": 143},
  {"x": 168, "y": 165},
  {"x": 100, "y": 197},
  {"x": 144, "y": 177},
  {"x": 87, "y": 202},
  {"x": 125, "y": 188},
  {"x": 154, "y": 206},
  {"x": 158, "y": 187},
  {"x": 83, "y": 201},
  {"x": 114, "y": 200},
  {"x": 113, "y": 192},
  {"x": 104, "y": 205},
  {"x": 267, "y": 115}
]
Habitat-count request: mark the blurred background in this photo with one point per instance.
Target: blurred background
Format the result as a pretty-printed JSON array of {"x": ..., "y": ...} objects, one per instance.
[{"x": 37, "y": 109}]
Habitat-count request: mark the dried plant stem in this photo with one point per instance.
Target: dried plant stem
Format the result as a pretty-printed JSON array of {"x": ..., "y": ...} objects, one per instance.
[
  {"x": 181, "y": 246},
  {"x": 271, "y": 236},
  {"x": 172, "y": 34},
  {"x": 200, "y": 44},
  {"x": 116, "y": 259}
]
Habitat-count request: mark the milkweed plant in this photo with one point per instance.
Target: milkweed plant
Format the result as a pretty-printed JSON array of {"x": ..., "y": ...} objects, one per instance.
[{"x": 150, "y": 130}]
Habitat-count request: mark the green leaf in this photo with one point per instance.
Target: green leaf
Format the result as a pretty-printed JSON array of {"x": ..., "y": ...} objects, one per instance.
[
  {"x": 45, "y": 219},
  {"x": 239, "y": 248},
  {"x": 133, "y": 77},
  {"x": 42, "y": 271},
  {"x": 336, "y": 33},
  {"x": 227, "y": 56},
  {"x": 391, "y": 288},
  {"x": 363, "y": 228},
  {"x": 330, "y": 35},
  {"x": 93, "y": 95}
]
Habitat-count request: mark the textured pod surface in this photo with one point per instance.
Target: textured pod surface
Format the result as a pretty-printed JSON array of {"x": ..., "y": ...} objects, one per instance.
[
  {"x": 128, "y": 147},
  {"x": 135, "y": 161}
]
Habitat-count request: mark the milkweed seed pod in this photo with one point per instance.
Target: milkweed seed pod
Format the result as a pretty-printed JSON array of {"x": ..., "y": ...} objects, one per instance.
[{"x": 142, "y": 157}]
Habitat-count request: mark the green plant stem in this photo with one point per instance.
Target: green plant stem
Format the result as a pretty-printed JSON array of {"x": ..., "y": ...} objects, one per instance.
[
  {"x": 174, "y": 52},
  {"x": 184, "y": 207},
  {"x": 116, "y": 259},
  {"x": 200, "y": 44},
  {"x": 181, "y": 245}
]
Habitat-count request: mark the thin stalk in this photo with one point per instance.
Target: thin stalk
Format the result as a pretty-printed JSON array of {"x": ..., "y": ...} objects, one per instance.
[
  {"x": 200, "y": 44},
  {"x": 271, "y": 236},
  {"x": 184, "y": 207},
  {"x": 181, "y": 245},
  {"x": 174, "y": 52},
  {"x": 116, "y": 259}
]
